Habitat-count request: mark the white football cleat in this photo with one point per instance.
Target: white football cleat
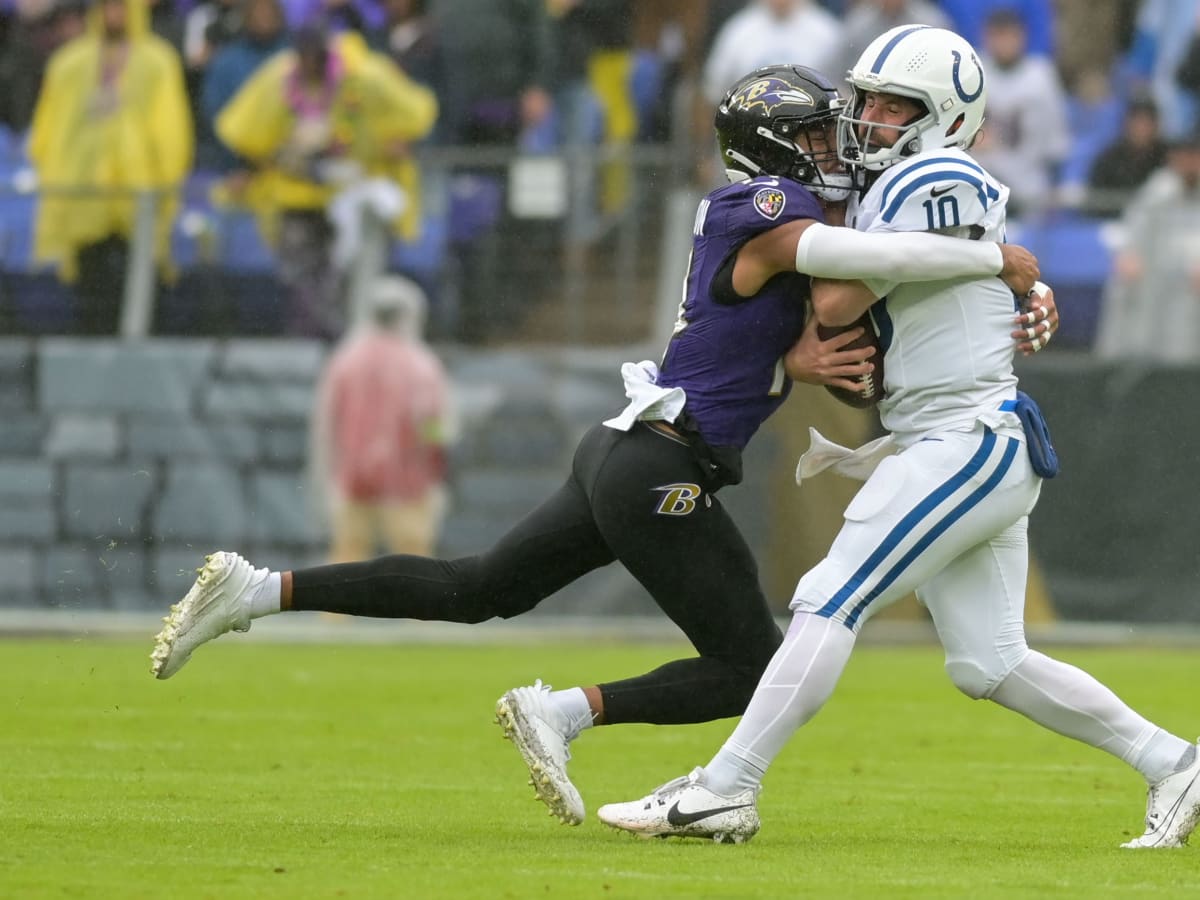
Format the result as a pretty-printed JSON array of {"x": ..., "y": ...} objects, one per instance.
[
  {"x": 686, "y": 808},
  {"x": 1172, "y": 809},
  {"x": 217, "y": 602},
  {"x": 542, "y": 733}
]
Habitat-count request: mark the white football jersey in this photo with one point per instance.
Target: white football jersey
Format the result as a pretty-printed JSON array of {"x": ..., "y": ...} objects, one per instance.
[{"x": 947, "y": 350}]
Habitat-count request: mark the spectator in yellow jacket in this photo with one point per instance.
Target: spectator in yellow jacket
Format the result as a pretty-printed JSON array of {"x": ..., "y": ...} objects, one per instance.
[
  {"x": 112, "y": 119},
  {"x": 318, "y": 119}
]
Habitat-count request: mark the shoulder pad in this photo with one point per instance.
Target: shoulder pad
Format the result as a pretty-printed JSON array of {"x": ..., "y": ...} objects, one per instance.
[{"x": 938, "y": 192}]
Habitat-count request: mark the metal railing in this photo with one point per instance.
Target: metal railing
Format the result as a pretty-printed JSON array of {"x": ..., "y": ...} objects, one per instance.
[
  {"x": 583, "y": 246},
  {"x": 561, "y": 247}
]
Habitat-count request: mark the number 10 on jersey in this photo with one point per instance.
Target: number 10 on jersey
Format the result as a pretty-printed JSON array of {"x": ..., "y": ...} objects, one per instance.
[{"x": 946, "y": 213}]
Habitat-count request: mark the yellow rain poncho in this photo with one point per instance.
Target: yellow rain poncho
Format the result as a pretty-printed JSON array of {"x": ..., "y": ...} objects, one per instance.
[
  {"x": 133, "y": 133},
  {"x": 374, "y": 112}
]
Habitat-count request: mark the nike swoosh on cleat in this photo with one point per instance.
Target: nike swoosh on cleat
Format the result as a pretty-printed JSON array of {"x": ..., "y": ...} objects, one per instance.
[{"x": 675, "y": 817}]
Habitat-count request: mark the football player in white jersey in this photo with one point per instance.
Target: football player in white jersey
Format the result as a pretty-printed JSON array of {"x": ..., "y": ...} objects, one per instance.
[{"x": 945, "y": 507}]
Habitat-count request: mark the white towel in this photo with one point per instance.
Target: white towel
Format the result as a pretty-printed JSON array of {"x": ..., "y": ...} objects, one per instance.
[
  {"x": 646, "y": 399},
  {"x": 381, "y": 197},
  {"x": 823, "y": 454}
]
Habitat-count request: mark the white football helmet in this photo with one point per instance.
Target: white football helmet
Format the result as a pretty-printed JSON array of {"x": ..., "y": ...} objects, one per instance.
[{"x": 933, "y": 66}]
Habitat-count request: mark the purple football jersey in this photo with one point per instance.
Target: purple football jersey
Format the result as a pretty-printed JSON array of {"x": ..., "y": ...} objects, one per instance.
[{"x": 728, "y": 358}]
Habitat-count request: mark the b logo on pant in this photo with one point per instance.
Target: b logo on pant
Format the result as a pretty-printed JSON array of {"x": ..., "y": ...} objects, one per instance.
[{"x": 678, "y": 499}]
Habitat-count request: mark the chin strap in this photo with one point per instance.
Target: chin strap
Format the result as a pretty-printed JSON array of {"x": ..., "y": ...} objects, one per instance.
[{"x": 747, "y": 171}]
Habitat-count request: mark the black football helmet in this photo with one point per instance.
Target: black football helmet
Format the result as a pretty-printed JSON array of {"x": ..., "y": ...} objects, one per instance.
[{"x": 761, "y": 117}]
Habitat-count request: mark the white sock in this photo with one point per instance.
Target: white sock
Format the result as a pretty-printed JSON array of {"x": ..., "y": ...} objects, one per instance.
[
  {"x": 799, "y": 679},
  {"x": 573, "y": 704},
  {"x": 264, "y": 597},
  {"x": 1071, "y": 702},
  {"x": 1161, "y": 757}
]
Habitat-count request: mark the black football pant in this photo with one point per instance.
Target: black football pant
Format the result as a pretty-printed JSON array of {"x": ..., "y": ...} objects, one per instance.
[{"x": 636, "y": 497}]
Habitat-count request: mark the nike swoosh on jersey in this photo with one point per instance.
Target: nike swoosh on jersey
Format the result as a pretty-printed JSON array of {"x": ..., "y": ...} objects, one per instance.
[
  {"x": 934, "y": 192},
  {"x": 675, "y": 817}
]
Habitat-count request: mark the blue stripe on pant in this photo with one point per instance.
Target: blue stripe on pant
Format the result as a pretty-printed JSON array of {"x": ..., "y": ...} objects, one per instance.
[{"x": 909, "y": 524}]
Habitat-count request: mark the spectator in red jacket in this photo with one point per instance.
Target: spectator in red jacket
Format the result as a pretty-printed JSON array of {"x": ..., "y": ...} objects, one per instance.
[{"x": 381, "y": 428}]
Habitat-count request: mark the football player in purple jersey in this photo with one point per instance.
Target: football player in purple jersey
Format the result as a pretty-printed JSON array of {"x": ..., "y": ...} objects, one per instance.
[{"x": 643, "y": 486}]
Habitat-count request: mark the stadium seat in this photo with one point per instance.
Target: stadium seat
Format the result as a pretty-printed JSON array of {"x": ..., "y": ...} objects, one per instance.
[
  {"x": 16, "y": 231},
  {"x": 241, "y": 245},
  {"x": 424, "y": 257},
  {"x": 37, "y": 302},
  {"x": 1070, "y": 248},
  {"x": 475, "y": 204},
  {"x": 1076, "y": 262}
]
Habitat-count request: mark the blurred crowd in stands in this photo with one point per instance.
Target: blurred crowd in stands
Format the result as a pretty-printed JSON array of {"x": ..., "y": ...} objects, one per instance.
[{"x": 321, "y": 117}]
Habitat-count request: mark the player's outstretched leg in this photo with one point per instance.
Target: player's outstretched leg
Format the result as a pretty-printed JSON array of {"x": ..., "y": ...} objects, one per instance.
[
  {"x": 219, "y": 601},
  {"x": 1172, "y": 809},
  {"x": 685, "y": 807},
  {"x": 542, "y": 734}
]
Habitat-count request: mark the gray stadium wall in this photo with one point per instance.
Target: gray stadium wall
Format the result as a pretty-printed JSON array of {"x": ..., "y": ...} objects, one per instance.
[
  {"x": 121, "y": 464},
  {"x": 1117, "y": 533}
]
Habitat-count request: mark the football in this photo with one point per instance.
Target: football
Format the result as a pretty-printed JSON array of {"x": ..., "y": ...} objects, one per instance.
[{"x": 874, "y": 378}]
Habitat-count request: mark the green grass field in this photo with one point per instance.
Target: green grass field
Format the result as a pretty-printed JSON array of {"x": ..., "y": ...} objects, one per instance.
[{"x": 269, "y": 770}]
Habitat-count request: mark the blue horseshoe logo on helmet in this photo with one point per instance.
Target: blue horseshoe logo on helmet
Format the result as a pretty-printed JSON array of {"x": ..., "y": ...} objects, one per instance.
[{"x": 958, "y": 88}]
